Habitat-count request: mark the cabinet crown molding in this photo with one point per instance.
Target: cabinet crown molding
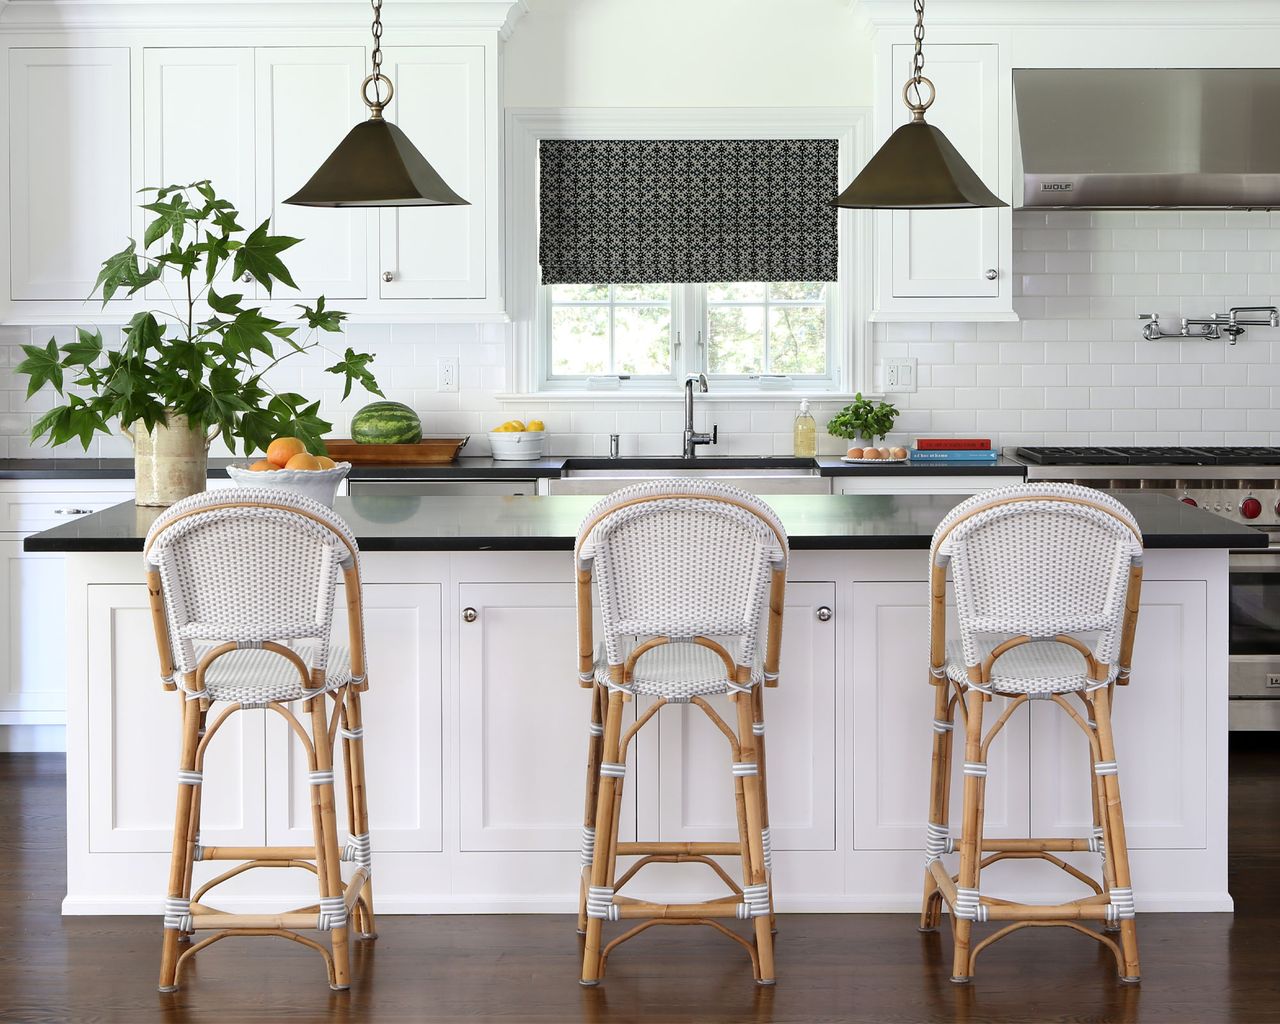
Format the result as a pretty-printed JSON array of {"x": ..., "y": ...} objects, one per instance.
[
  {"x": 878, "y": 14},
  {"x": 59, "y": 15}
]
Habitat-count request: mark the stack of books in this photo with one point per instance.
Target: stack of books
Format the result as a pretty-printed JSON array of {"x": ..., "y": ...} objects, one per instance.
[{"x": 954, "y": 449}]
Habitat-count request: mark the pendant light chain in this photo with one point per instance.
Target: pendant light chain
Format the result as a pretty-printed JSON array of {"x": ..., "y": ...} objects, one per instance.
[
  {"x": 377, "y": 38},
  {"x": 376, "y": 78},
  {"x": 917, "y": 63}
]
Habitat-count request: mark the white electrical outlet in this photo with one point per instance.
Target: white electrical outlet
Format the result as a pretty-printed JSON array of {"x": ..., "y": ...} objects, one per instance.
[
  {"x": 898, "y": 375},
  {"x": 447, "y": 374}
]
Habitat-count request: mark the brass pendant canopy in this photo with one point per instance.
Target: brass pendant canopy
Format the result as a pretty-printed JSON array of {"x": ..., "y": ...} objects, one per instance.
[
  {"x": 917, "y": 168},
  {"x": 376, "y": 164}
]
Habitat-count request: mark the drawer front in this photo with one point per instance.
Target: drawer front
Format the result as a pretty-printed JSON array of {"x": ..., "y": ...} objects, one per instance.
[{"x": 33, "y": 511}]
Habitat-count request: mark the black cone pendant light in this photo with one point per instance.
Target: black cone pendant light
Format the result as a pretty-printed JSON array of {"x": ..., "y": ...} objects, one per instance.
[
  {"x": 376, "y": 164},
  {"x": 917, "y": 168}
]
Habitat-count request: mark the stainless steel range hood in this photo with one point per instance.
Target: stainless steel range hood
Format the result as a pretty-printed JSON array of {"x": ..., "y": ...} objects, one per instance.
[{"x": 1149, "y": 138}]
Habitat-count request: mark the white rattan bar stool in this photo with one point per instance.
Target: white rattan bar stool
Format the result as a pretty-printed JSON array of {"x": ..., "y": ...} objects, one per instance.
[
  {"x": 242, "y": 585},
  {"x": 1047, "y": 580},
  {"x": 690, "y": 576}
]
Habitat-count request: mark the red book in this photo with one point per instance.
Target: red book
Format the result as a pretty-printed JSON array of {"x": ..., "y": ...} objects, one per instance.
[{"x": 953, "y": 444}]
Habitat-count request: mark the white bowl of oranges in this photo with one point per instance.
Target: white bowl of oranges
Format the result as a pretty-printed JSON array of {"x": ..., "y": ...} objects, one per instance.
[
  {"x": 291, "y": 467},
  {"x": 516, "y": 440}
]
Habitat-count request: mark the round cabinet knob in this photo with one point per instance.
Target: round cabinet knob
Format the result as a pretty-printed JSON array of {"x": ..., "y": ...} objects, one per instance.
[
  {"x": 1251, "y": 508},
  {"x": 246, "y": 277},
  {"x": 1190, "y": 501},
  {"x": 991, "y": 274},
  {"x": 469, "y": 615},
  {"x": 824, "y": 614},
  {"x": 388, "y": 276}
]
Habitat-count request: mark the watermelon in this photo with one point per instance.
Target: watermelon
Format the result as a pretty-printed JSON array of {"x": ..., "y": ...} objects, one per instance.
[{"x": 386, "y": 423}]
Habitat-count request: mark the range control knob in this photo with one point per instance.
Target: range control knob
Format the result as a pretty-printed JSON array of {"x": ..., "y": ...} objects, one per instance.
[
  {"x": 1251, "y": 508},
  {"x": 1188, "y": 500}
]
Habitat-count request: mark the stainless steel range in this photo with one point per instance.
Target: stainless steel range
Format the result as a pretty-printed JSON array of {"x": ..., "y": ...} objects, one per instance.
[{"x": 1239, "y": 483}]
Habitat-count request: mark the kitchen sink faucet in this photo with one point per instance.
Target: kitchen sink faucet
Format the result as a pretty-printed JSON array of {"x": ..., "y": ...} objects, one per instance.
[{"x": 691, "y": 437}]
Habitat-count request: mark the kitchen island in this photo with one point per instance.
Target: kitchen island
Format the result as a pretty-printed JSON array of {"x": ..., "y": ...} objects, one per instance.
[{"x": 476, "y": 727}]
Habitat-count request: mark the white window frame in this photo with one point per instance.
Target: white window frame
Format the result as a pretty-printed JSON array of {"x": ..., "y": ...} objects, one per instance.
[{"x": 849, "y": 338}]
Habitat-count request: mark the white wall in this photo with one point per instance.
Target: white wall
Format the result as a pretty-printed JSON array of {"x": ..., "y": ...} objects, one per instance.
[{"x": 688, "y": 53}]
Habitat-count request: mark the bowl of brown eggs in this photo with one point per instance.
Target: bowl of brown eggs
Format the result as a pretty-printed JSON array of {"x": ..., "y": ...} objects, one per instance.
[{"x": 875, "y": 455}]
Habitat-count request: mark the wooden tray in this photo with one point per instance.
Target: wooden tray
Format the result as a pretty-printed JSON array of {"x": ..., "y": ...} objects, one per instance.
[{"x": 428, "y": 451}]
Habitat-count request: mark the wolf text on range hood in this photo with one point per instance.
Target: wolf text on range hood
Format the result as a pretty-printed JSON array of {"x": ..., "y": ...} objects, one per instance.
[{"x": 1148, "y": 138}]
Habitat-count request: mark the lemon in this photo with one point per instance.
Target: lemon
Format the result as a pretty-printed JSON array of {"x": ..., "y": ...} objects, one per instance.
[
  {"x": 537, "y": 425},
  {"x": 518, "y": 425}
]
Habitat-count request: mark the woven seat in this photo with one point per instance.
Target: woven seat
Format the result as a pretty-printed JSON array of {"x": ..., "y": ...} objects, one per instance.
[
  {"x": 1037, "y": 669},
  {"x": 242, "y": 585},
  {"x": 690, "y": 576},
  {"x": 677, "y": 671},
  {"x": 1047, "y": 579},
  {"x": 257, "y": 676}
]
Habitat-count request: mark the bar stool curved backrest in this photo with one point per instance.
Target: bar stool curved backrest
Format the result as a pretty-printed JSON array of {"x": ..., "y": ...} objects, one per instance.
[
  {"x": 682, "y": 558},
  {"x": 1040, "y": 561},
  {"x": 242, "y": 584},
  {"x": 691, "y": 576},
  {"x": 249, "y": 565}
]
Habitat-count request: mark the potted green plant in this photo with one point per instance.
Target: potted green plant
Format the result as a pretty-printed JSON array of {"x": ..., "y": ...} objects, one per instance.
[
  {"x": 183, "y": 376},
  {"x": 863, "y": 421}
]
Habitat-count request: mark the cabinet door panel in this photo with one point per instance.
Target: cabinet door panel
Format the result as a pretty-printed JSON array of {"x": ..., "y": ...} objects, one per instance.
[
  {"x": 71, "y": 199},
  {"x": 893, "y": 700},
  {"x": 192, "y": 96},
  {"x": 134, "y": 748},
  {"x": 402, "y": 729},
  {"x": 696, "y": 786},
  {"x": 308, "y": 98},
  {"x": 439, "y": 102},
  {"x": 32, "y": 635},
  {"x": 946, "y": 253},
  {"x": 1159, "y": 728},
  {"x": 517, "y": 690}
]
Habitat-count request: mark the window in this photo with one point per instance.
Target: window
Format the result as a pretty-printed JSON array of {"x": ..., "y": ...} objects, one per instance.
[{"x": 647, "y": 336}]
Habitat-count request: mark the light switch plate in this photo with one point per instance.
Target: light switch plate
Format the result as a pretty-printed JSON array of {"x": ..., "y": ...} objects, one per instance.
[
  {"x": 898, "y": 376},
  {"x": 447, "y": 374}
]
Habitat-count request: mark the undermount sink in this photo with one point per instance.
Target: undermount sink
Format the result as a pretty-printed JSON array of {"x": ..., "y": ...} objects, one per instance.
[{"x": 759, "y": 474}]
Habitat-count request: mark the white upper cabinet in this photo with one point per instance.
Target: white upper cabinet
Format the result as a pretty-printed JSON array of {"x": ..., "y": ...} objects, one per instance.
[
  {"x": 191, "y": 96},
  {"x": 308, "y": 98},
  {"x": 70, "y": 199},
  {"x": 439, "y": 102},
  {"x": 949, "y": 264}
]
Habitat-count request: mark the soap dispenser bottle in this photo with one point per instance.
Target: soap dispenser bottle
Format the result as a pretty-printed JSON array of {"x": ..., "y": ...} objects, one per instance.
[{"x": 805, "y": 432}]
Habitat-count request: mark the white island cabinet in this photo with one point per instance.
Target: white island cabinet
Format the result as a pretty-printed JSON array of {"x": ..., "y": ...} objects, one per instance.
[{"x": 477, "y": 726}]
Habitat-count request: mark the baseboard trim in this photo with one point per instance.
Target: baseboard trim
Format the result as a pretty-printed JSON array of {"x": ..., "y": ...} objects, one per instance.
[{"x": 29, "y": 739}]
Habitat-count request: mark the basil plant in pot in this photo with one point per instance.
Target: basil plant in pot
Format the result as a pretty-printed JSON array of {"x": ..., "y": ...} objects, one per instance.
[
  {"x": 863, "y": 421},
  {"x": 183, "y": 376}
]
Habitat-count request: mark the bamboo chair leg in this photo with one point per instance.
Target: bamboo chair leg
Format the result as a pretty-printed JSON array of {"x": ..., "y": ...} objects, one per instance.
[
  {"x": 180, "y": 862},
  {"x": 757, "y": 720},
  {"x": 606, "y": 839},
  {"x": 939, "y": 786},
  {"x": 753, "y": 872},
  {"x": 1116, "y": 845},
  {"x": 970, "y": 835},
  {"x": 193, "y": 827},
  {"x": 1099, "y": 818},
  {"x": 595, "y": 743},
  {"x": 325, "y": 825},
  {"x": 358, "y": 801}
]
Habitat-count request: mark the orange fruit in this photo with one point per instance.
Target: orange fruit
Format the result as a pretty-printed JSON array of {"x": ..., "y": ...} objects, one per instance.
[
  {"x": 262, "y": 466},
  {"x": 326, "y": 462},
  {"x": 303, "y": 461},
  {"x": 282, "y": 449}
]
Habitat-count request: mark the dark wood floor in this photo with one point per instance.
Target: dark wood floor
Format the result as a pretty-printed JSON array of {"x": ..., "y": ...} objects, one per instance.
[{"x": 1201, "y": 968}]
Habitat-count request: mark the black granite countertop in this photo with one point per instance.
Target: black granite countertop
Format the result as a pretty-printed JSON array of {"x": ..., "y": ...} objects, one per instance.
[
  {"x": 493, "y": 469},
  {"x": 824, "y": 522},
  {"x": 122, "y": 469}
]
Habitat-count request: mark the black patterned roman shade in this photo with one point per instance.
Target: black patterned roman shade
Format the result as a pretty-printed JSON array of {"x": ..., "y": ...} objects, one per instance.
[{"x": 641, "y": 211}]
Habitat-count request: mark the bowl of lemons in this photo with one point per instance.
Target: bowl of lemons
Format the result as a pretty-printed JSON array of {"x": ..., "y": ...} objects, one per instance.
[{"x": 517, "y": 441}]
